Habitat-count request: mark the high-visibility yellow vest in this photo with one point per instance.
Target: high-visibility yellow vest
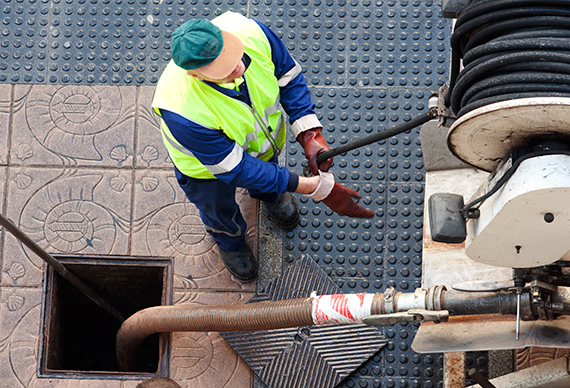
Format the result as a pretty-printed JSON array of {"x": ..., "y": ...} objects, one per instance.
[{"x": 259, "y": 130}]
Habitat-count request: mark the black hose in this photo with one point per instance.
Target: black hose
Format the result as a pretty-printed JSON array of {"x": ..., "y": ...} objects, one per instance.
[
  {"x": 510, "y": 49},
  {"x": 415, "y": 122}
]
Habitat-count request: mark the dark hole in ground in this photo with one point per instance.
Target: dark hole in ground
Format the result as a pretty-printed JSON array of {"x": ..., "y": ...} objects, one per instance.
[{"x": 79, "y": 335}]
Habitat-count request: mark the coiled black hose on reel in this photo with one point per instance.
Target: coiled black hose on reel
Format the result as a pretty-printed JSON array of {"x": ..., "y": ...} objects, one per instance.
[{"x": 510, "y": 49}]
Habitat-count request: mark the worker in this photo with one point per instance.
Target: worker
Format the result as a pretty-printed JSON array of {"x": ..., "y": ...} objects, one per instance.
[{"x": 218, "y": 99}]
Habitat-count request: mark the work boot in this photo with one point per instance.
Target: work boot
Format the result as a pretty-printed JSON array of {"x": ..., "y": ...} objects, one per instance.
[
  {"x": 241, "y": 264},
  {"x": 284, "y": 211}
]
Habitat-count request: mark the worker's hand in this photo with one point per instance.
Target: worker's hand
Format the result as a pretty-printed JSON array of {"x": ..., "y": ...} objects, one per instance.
[
  {"x": 341, "y": 200},
  {"x": 314, "y": 144},
  {"x": 338, "y": 198}
]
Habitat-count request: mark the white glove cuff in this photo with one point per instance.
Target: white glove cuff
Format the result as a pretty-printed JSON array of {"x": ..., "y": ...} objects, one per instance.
[
  {"x": 324, "y": 188},
  {"x": 304, "y": 124}
]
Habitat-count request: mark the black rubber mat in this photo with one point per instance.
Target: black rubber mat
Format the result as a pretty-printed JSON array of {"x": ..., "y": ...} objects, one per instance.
[
  {"x": 314, "y": 356},
  {"x": 127, "y": 42}
]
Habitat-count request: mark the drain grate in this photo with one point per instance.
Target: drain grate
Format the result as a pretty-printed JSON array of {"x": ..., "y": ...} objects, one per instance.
[{"x": 316, "y": 357}]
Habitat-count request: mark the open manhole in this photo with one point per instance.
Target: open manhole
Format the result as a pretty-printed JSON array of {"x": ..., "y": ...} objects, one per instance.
[{"x": 78, "y": 337}]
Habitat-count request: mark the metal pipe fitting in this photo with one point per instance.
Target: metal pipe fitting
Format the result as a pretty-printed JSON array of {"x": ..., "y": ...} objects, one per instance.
[
  {"x": 473, "y": 303},
  {"x": 409, "y": 301}
]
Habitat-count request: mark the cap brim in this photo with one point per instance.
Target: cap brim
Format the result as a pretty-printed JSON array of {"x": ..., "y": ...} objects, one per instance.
[{"x": 227, "y": 61}]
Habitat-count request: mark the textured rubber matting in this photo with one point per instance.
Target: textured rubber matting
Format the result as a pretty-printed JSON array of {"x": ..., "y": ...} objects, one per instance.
[
  {"x": 359, "y": 44},
  {"x": 316, "y": 357}
]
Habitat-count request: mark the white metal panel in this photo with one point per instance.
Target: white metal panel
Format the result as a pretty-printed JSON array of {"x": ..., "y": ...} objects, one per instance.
[{"x": 511, "y": 230}]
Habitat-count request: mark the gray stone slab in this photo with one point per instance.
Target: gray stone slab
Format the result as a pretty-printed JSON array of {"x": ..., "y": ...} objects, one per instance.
[
  {"x": 166, "y": 224},
  {"x": 151, "y": 151},
  {"x": 270, "y": 250},
  {"x": 65, "y": 211},
  {"x": 73, "y": 125},
  {"x": 501, "y": 362},
  {"x": 5, "y": 108},
  {"x": 437, "y": 155},
  {"x": 315, "y": 356}
]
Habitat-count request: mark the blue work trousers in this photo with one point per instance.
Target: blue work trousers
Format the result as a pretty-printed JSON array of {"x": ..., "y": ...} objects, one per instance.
[{"x": 219, "y": 210}]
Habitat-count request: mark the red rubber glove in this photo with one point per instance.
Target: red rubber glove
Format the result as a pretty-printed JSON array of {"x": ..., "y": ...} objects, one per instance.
[
  {"x": 340, "y": 200},
  {"x": 314, "y": 144}
]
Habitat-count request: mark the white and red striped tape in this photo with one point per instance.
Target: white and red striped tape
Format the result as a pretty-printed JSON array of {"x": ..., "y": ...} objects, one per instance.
[{"x": 340, "y": 308}]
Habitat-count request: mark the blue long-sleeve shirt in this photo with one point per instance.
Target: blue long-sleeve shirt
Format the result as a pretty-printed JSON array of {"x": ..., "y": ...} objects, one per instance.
[{"x": 211, "y": 147}]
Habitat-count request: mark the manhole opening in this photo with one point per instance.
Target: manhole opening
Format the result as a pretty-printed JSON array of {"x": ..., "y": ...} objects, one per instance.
[{"x": 78, "y": 337}]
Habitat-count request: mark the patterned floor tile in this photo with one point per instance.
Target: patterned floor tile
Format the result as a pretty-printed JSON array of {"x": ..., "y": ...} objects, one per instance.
[
  {"x": 73, "y": 125},
  {"x": 5, "y": 106},
  {"x": 20, "y": 311},
  {"x": 65, "y": 211},
  {"x": 205, "y": 360},
  {"x": 166, "y": 224},
  {"x": 151, "y": 151}
]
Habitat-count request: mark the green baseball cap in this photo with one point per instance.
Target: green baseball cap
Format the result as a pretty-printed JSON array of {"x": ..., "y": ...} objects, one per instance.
[{"x": 202, "y": 46}]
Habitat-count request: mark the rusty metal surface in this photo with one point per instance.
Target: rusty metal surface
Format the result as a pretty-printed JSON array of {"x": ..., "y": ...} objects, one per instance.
[
  {"x": 454, "y": 370},
  {"x": 316, "y": 357},
  {"x": 490, "y": 332}
]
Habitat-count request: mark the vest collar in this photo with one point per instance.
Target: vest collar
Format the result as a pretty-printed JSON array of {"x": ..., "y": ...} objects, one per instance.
[{"x": 242, "y": 94}]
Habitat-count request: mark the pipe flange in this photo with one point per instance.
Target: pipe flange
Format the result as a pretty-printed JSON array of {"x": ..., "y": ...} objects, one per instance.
[
  {"x": 429, "y": 301},
  {"x": 438, "y": 297}
]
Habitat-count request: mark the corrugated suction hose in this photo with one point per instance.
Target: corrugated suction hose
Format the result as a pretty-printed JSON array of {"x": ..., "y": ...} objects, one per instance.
[{"x": 249, "y": 316}]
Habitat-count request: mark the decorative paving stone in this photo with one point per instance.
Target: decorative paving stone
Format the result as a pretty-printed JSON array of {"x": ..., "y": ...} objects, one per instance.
[
  {"x": 73, "y": 125},
  {"x": 166, "y": 224},
  {"x": 3, "y": 177},
  {"x": 205, "y": 359},
  {"x": 5, "y": 107},
  {"x": 65, "y": 211},
  {"x": 529, "y": 357},
  {"x": 151, "y": 151},
  {"x": 20, "y": 312},
  {"x": 314, "y": 356}
]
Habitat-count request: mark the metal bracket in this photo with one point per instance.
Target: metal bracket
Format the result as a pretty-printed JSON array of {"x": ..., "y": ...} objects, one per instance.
[
  {"x": 452, "y": 8},
  {"x": 543, "y": 285},
  {"x": 415, "y": 315},
  {"x": 446, "y": 117},
  {"x": 389, "y": 300}
]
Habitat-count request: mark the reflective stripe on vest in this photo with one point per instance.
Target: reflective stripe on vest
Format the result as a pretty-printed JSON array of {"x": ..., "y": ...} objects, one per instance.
[{"x": 258, "y": 129}]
